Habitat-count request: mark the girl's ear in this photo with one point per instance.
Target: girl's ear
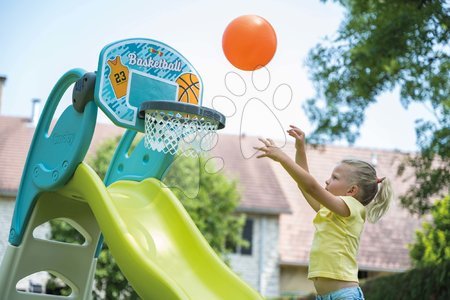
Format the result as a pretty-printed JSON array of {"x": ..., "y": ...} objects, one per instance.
[{"x": 353, "y": 190}]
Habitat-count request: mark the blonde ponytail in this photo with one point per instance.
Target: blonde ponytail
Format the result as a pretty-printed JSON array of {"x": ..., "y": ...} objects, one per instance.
[
  {"x": 380, "y": 204},
  {"x": 376, "y": 194}
]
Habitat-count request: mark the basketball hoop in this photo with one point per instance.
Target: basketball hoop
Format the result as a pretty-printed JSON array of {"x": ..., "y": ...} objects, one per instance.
[{"x": 178, "y": 127}]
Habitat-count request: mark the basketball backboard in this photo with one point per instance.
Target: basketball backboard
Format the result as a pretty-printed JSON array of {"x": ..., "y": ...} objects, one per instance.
[{"x": 136, "y": 70}]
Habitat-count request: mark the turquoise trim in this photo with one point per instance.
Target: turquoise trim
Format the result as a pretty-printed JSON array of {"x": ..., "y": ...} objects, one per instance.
[
  {"x": 52, "y": 159},
  {"x": 99, "y": 246},
  {"x": 140, "y": 164}
]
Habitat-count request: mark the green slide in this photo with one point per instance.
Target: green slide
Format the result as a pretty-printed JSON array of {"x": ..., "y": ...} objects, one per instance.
[{"x": 154, "y": 241}]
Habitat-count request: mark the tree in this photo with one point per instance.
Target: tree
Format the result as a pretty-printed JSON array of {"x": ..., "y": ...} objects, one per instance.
[
  {"x": 381, "y": 45},
  {"x": 432, "y": 244},
  {"x": 210, "y": 199}
]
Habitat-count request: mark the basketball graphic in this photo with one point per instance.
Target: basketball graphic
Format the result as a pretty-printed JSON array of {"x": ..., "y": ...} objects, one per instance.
[{"x": 189, "y": 88}]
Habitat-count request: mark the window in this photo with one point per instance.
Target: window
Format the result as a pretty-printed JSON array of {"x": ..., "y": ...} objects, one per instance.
[
  {"x": 362, "y": 274},
  {"x": 247, "y": 235}
]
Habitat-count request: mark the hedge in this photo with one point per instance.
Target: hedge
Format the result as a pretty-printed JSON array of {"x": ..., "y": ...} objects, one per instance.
[{"x": 422, "y": 283}]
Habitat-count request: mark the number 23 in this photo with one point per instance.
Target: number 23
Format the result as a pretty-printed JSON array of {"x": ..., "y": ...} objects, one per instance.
[{"x": 120, "y": 77}]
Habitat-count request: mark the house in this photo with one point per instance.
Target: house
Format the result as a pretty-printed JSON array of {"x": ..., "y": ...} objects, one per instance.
[
  {"x": 279, "y": 221},
  {"x": 258, "y": 265}
]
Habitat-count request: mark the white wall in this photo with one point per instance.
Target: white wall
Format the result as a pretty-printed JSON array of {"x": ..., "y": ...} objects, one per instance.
[
  {"x": 294, "y": 281},
  {"x": 6, "y": 212},
  {"x": 261, "y": 269}
]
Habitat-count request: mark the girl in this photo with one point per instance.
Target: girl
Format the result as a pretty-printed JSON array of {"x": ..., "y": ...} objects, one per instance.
[{"x": 351, "y": 194}]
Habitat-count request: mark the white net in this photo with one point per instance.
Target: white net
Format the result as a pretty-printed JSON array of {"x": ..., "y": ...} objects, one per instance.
[{"x": 172, "y": 132}]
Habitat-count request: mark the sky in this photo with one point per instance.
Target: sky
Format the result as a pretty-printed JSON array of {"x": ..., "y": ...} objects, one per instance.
[{"x": 41, "y": 40}]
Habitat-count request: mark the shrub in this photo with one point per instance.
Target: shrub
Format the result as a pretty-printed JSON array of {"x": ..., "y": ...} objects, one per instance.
[{"x": 430, "y": 282}]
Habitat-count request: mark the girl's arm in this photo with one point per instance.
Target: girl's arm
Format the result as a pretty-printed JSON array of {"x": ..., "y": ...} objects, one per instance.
[
  {"x": 305, "y": 181},
  {"x": 301, "y": 160}
]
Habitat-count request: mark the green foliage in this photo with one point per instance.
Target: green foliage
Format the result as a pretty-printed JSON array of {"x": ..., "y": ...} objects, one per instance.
[
  {"x": 103, "y": 155},
  {"x": 66, "y": 233},
  {"x": 432, "y": 245},
  {"x": 421, "y": 283},
  {"x": 209, "y": 197},
  {"x": 381, "y": 45},
  {"x": 56, "y": 287},
  {"x": 432, "y": 167},
  {"x": 110, "y": 280},
  {"x": 307, "y": 297}
]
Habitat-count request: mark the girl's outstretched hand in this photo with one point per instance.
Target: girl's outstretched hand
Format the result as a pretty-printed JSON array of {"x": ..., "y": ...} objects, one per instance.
[
  {"x": 299, "y": 136},
  {"x": 270, "y": 150}
]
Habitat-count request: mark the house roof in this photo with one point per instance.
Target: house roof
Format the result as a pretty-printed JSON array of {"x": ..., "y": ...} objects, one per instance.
[
  {"x": 383, "y": 245},
  {"x": 260, "y": 189},
  {"x": 15, "y": 139},
  {"x": 266, "y": 189},
  {"x": 258, "y": 195},
  {"x": 16, "y": 134}
]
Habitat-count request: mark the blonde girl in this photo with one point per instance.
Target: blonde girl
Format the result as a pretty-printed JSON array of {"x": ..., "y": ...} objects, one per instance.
[{"x": 352, "y": 194}]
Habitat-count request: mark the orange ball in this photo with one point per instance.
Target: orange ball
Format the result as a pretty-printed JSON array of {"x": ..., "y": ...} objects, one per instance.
[{"x": 249, "y": 42}]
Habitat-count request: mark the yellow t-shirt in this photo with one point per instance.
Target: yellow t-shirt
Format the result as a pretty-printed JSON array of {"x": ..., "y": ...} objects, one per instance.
[{"x": 336, "y": 242}]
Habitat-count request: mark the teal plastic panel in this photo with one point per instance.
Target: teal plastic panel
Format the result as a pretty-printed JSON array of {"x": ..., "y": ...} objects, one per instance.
[
  {"x": 138, "y": 164},
  {"x": 53, "y": 158}
]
